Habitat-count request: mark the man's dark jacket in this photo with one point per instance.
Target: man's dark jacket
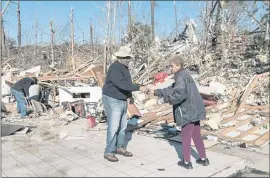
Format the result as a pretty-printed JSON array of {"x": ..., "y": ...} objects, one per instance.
[
  {"x": 187, "y": 102},
  {"x": 118, "y": 83},
  {"x": 23, "y": 85}
]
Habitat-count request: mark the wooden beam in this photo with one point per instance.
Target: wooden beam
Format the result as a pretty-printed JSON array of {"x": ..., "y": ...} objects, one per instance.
[
  {"x": 205, "y": 132},
  {"x": 164, "y": 118},
  {"x": 248, "y": 90},
  {"x": 258, "y": 107},
  {"x": 262, "y": 140},
  {"x": 253, "y": 129},
  {"x": 229, "y": 129},
  {"x": 232, "y": 110},
  {"x": 224, "y": 121},
  {"x": 148, "y": 118},
  {"x": 252, "y": 83},
  {"x": 100, "y": 79}
]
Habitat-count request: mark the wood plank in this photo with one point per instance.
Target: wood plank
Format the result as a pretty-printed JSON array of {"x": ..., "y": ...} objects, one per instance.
[
  {"x": 253, "y": 129},
  {"x": 262, "y": 140},
  {"x": 229, "y": 129},
  {"x": 224, "y": 137},
  {"x": 256, "y": 134},
  {"x": 168, "y": 117},
  {"x": 250, "y": 107},
  {"x": 148, "y": 118},
  {"x": 236, "y": 96},
  {"x": 224, "y": 121},
  {"x": 232, "y": 110},
  {"x": 100, "y": 79},
  {"x": 246, "y": 93},
  {"x": 52, "y": 78}
]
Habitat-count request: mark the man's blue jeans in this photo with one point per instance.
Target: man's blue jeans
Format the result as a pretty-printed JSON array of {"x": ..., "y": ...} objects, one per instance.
[
  {"x": 21, "y": 105},
  {"x": 117, "y": 123}
]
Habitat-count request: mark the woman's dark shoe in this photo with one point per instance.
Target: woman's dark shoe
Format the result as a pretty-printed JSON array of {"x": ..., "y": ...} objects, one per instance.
[
  {"x": 204, "y": 162},
  {"x": 124, "y": 152},
  {"x": 185, "y": 165},
  {"x": 111, "y": 157}
]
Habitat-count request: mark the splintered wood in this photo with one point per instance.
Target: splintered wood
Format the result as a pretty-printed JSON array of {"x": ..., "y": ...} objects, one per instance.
[
  {"x": 239, "y": 127},
  {"x": 243, "y": 122}
]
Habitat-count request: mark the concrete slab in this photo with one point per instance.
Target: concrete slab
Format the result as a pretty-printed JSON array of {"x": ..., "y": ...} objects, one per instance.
[
  {"x": 265, "y": 150},
  {"x": 84, "y": 157},
  {"x": 231, "y": 169},
  {"x": 262, "y": 165}
]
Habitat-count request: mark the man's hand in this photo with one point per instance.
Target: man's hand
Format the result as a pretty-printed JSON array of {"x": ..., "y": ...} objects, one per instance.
[{"x": 144, "y": 89}]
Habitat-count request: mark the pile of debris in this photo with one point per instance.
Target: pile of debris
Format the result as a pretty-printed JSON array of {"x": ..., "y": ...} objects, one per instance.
[
  {"x": 233, "y": 115},
  {"x": 234, "y": 87},
  {"x": 59, "y": 98},
  {"x": 235, "y": 92}
]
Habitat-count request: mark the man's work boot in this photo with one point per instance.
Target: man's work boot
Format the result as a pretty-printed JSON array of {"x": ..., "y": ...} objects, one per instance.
[
  {"x": 183, "y": 164},
  {"x": 111, "y": 157},
  {"x": 204, "y": 162},
  {"x": 124, "y": 152}
]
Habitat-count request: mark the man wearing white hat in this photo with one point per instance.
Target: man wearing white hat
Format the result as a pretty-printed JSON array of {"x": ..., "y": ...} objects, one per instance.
[{"x": 116, "y": 90}]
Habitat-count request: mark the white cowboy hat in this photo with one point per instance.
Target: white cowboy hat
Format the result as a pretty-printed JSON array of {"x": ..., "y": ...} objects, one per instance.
[{"x": 124, "y": 51}]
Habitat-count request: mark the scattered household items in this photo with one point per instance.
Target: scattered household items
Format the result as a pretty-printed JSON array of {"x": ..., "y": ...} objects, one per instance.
[{"x": 235, "y": 92}]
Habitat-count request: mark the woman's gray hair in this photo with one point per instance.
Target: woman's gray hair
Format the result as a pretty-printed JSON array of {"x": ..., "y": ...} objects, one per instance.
[{"x": 178, "y": 60}]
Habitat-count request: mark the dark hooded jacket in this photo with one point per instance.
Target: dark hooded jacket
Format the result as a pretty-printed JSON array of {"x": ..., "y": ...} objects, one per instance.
[
  {"x": 118, "y": 83},
  {"x": 187, "y": 102},
  {"x": 24, "y": 84}
]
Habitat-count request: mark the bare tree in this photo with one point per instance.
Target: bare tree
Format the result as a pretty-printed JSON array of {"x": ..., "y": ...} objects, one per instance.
[
  {"x": 52, "y": 40},
  {"x": 113, "y": 26},
  {"x": 153, "y": 19},
  {"x": 36, "y": 36},
  {"x": 19, "y": 25},
  {"x": 91, "y": 35},
  {"x": 129, "y": 14},
  {"x": 107, "y": 34},
  {"x": 72, "y": 38},
  {"x": 175, "y": 14},
  {"x": 1, "y": 33}
]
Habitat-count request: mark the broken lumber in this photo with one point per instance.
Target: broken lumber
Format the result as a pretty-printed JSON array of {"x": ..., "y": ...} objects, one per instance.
[
  {"x": 148, "y": 118},
  {"x": 224, "y": 121},
  {"x": 253, "y": 129},
  {"x": 262, "y": 140},
  {"x": 229, "y": 129},
  {"x": 246, "y": 93}
]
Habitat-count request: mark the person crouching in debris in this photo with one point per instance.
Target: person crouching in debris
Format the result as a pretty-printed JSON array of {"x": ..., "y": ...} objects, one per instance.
[
  {"x": 188, "y": 110},
  {"x": 116, "y": 91},
  {"x": 20, "y": 90}
]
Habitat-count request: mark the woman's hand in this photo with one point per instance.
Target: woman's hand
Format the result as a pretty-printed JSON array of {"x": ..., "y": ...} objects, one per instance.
[{"x": 144, "y": 89}]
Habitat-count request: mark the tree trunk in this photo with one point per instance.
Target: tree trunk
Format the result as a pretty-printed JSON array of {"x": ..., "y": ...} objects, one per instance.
[
  {"x": 105, "y": 62},
  {"x": 113, "y": 26},
  {"x": 83, "y": 37},
  {"x": 153, "y": 19},
  {"x": 2, "y": 36},
  {"x": 91, "y": 35},
  {"x": 72, "y": 39},
  {"x": 52, "y": 41},
  {"x": 19, "y": 35},
  {"x": 36, "y": 35},
  {"x": 176, "y": 24},
  {"x": 129, "y": 15}
]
